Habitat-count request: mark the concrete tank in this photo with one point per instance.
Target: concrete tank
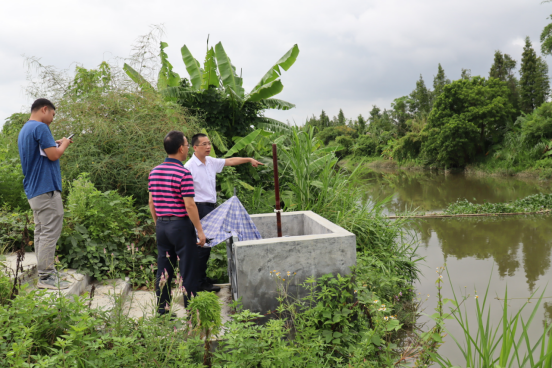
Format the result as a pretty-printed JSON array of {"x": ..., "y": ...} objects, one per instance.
[{"x": 310, "y": 246}]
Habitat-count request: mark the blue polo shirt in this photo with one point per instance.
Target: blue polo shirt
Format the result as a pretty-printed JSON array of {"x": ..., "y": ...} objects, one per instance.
[{"x": 41, "y": 174}]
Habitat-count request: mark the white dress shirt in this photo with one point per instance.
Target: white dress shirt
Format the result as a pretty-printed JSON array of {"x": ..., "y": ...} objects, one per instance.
[{"x": 205, "y": 177}]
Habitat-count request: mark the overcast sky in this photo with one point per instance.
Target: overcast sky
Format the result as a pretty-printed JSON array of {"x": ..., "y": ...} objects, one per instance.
[{"x": 353, "y": 54}]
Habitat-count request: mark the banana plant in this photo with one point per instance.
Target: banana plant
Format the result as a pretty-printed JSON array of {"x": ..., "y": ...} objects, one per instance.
[
  {"x": 219, "y": 72},
  {"x": 217, "y": 60}
]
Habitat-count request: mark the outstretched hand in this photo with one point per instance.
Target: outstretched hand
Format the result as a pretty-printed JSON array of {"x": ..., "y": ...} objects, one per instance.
[{"x": 255, "y": 163}]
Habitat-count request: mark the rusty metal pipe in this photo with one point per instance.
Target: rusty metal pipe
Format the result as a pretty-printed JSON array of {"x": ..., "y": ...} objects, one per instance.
[{"x": 277, "y": 190}]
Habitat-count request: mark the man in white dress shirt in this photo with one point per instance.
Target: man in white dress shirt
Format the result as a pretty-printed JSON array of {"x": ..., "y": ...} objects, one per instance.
[{"x": 204, "y": 171}]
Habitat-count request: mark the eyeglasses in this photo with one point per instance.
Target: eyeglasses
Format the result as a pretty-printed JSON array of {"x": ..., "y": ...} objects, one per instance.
[{"x": 204, "y": 144}]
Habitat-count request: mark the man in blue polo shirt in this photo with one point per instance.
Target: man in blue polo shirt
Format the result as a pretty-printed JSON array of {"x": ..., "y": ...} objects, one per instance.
[{"x": 39, "y": 154}]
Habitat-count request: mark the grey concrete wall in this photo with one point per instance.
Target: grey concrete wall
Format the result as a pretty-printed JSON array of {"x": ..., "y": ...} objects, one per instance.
[
  {"x": 292, "y": 224},
  {"x": 324, "y": 248}
]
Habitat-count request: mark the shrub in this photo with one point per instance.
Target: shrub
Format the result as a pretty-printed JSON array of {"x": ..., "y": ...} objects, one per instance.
[
  {"x": 41, "y": 329},
  {"x": 365, "y": 146},
  {"x": 9, "y": 134},
  {"x": 347, "y": 143},
  {"x": 408, "y": 147},
  {"x": 99, "y": 229},
  {"x": 331, "y": 133},
  {"x": 538, "y": 125},
  {"x": 11, "y": 184},
  {"x": 119, "y": 138},
  {"x": 12, "y": 228},
  {"x": 11, "y": 176}
]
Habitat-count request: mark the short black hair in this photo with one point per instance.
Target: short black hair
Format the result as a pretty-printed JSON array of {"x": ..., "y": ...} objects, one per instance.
[
  {"x": 40, "y": 103},
  {"x": 196, "y": 137},
  {"x": 173, "y": 141}
]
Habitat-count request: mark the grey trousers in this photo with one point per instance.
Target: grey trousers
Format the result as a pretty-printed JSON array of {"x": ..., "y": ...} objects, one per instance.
[{"x": 48, "y": 218}]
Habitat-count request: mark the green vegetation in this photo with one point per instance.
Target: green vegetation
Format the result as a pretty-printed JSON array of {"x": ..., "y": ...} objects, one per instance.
[
  {"x": 351, "y": 320},
  {"x": 506, "y": 345},
  {"x": 532, "y": 203},
  {"x": 346, "y": 320}
]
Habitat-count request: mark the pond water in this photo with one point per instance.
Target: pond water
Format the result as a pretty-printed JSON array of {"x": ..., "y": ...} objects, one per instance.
[{"x": 513, "y": 252}]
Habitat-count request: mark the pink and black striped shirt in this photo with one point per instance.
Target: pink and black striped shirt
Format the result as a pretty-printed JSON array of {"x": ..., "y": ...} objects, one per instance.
[{"x": 168, "y": 184}]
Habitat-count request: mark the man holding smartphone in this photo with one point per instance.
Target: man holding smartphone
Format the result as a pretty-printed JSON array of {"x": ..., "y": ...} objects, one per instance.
[{"x": 39, "y": 154}]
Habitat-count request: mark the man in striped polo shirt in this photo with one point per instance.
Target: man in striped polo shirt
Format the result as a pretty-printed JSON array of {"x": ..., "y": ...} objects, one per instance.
[{"x": 172, "y": 206}]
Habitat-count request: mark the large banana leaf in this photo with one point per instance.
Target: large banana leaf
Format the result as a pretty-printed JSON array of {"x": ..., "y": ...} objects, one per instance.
[
  {"x": 193, "y": 68},
  {"x": 272, "y": 125},
  {"x": 241, "y": 143},
  {"x": 137, "y": 78},
  {"x": 274, "y": 103},
  {"x": 166, "y": 78},
  {"x": 285, "y": 62},
  {"x": 266, "y": 91},
  {"x": 176, "y": 92},
  {"x": 210, "y": 77},
  {"x": 218, "y": 141},
  {"x": 237, "y": 99},
  {"x": 227, "y": 71}
]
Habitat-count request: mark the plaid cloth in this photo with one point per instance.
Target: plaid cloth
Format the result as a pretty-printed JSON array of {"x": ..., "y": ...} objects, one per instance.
[{"x": 229, "y": 219}]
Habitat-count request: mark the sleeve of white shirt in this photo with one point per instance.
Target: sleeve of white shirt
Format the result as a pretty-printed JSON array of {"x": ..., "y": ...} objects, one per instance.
[{"x": 218, "y": 163}]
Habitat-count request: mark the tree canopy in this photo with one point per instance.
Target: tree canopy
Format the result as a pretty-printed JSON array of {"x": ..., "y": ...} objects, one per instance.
[
  {"x": 466, "y": 118},
  {"x": 534, "y": 81}
]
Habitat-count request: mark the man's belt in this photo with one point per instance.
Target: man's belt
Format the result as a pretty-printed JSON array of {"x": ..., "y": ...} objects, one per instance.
[
  {"x": 171, "y": 218},
  {"x": 208, "y": 204}
]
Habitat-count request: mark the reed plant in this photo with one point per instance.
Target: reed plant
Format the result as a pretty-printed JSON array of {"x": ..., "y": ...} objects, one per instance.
[{"x": 504, "y": 345}]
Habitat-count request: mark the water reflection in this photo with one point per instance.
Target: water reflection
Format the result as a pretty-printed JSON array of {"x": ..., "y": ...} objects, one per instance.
[
  {"x": 431, "y": 191},
  {"x": 498, "y": 252},
  {"x": 521, "y": 242}
]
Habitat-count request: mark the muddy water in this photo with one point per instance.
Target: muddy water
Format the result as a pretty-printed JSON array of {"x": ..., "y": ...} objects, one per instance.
[{"x": 498, "y": 252}]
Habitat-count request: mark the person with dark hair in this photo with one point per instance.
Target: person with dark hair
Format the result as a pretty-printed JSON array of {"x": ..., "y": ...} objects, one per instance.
[
  {"x": 174, "y": 212},
  {"x": 204, "y": 171},
  {"x": 39, "y": 154}
]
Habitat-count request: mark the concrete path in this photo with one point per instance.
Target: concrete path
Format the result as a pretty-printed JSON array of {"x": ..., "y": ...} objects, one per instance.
[{"x": 79, "y": 282}]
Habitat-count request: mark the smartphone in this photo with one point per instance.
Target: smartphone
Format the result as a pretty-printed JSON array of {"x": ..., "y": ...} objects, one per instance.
[{"x": 71, "y": 136}]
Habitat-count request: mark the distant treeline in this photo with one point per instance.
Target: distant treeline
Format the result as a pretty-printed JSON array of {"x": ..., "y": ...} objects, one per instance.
[{"x": 474, "y": 119}]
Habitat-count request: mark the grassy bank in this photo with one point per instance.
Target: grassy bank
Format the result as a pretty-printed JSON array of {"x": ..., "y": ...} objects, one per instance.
[
  {"x": 351, "y": 162},
  {"x": 541, "y": 169}
]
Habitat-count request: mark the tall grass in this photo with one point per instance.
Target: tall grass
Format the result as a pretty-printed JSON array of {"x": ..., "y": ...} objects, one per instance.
[
  {"x": 506, "y": 345},
  {"x": 386, "y": 253}
]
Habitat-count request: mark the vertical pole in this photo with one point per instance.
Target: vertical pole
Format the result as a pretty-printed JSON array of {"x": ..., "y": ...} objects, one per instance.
[{"x": 277, "y": 190}]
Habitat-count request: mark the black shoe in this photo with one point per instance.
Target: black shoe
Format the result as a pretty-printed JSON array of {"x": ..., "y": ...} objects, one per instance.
[
  {"x": 211, "y": 281},
  {"x": 209, "y": 287}
]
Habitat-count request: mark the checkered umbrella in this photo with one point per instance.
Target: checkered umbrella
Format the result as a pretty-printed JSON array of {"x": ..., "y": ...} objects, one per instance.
[{"x": 229, "y": 219}]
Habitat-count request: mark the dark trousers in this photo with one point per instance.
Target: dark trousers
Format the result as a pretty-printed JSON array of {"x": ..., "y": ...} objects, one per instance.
[
  {"x": 176, "y": 238},
  {"x": 205, "y": 252}
]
